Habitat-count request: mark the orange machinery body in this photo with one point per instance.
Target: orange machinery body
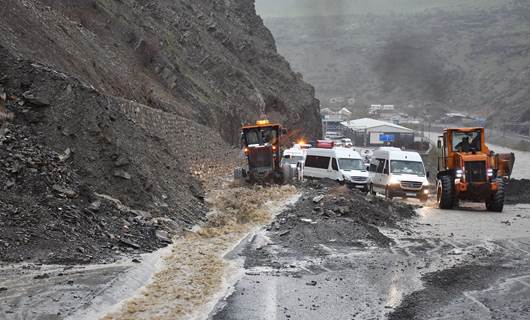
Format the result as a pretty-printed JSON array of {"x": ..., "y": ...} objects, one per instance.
[{"x": 476, "y": 172}]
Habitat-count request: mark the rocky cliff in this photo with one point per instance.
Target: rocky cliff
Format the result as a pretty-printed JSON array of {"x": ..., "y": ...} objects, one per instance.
[
  {"x": 213, "y": 62},
  {"x": 121, "y": 109}
]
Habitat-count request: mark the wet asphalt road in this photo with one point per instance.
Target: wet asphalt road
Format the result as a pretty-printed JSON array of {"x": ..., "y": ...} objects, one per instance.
[
  {"x": 459, "y": 264},
  {"x": 53, "y": 292}
]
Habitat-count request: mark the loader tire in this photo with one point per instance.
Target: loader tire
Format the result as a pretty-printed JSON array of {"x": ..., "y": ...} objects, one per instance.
[
  {"x": 446, "y": 193},
  {"x": 496, "y": 202}
]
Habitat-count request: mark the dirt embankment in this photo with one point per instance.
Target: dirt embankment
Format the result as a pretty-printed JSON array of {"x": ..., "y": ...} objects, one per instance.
[
  {"x": 518, "y": 191},
  {"x": 85, "y": 176},
  {"x": 336, "y": 216}
]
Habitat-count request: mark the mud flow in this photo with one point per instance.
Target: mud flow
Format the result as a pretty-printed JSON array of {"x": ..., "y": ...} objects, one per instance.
[{"x": 194, "y": 269}]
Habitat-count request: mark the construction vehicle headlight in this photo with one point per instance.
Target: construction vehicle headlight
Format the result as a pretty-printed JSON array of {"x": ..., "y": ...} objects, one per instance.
[
  {"x": 490, "y": 172},
  {"x": 459, "y": 173}
]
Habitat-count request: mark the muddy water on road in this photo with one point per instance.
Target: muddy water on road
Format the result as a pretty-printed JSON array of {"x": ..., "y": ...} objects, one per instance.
[{"x": 195, "y": 270}]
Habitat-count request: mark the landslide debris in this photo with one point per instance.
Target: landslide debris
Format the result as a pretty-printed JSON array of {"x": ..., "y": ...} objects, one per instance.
[
  {"x": 447, "y": 285},
  {"x": 122, "y": 112},
  {"x": 89, "y": 176},
  {"x": 336, "y": 216},
  {"x": 48, "y": 214},
  {"x": 518, "y": 191}
]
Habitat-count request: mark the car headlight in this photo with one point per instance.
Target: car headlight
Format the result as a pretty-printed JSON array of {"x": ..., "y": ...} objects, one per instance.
[
  {"x": 490, "y": 172},
  {"x": 459, "y": 173},
  {"x": 426, "y": 183},
  {"x": 394, "y": 180}
]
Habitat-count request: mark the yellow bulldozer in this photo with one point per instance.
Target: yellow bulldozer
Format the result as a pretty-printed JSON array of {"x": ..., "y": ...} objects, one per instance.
[{"x": 469, "y": 170}]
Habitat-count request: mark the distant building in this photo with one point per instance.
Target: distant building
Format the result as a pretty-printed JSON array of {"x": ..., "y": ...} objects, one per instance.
[
  {"x": 345, "y": 112},
  {"x": 372, "y": 132},
  {"x": 332, "y": 123}
]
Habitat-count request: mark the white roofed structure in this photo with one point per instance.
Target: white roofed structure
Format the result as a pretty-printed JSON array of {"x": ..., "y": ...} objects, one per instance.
[{"x": 368, "y": 124}]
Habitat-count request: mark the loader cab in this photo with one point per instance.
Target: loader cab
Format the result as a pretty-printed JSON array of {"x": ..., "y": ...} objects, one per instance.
[{"x": 461, "y": 145}]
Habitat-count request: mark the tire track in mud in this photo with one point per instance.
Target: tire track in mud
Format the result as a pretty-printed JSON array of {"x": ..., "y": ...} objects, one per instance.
[{"x": 195, "y": 269}]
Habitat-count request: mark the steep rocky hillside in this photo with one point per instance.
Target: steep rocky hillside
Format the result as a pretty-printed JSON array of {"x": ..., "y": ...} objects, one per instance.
[
  {"x": 210, "y": 61},
  {"x": 121, "y": 109},
  {"x": 477, "y": 59}
]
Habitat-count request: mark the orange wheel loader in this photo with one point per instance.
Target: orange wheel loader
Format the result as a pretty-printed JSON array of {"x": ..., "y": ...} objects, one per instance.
[{"x": 469, "y": 170}]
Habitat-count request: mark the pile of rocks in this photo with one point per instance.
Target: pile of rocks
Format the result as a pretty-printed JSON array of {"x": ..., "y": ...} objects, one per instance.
[
  {"x": 517, "y": 191},
  {"x": 337, "y": 216},
  {"x": 47, "y": 214}
]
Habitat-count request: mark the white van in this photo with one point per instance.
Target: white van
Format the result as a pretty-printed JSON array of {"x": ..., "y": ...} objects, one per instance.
[
  {"x": 293, "y": 155},
  {"x": 397, "y": 173},
  {"x": 340, "y": 164}
]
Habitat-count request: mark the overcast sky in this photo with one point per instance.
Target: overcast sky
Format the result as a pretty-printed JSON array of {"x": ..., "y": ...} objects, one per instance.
[{"x": 278, "y": 8}]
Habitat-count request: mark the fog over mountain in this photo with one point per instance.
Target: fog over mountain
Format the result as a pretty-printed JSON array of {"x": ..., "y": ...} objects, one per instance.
[
  {"x": 297, "y": 8},
  {"x": 446, "y": 55}
]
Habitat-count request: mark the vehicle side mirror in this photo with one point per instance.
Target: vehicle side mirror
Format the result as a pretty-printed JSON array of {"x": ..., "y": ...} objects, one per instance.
[
  {"x": 439, "y": 144},
  {"x": 284, "y": 131},
  {"x": 428, "y": 174}
]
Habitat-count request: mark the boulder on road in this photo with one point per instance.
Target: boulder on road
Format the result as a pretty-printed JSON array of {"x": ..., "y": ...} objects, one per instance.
[{"x": 317, "y": 199}]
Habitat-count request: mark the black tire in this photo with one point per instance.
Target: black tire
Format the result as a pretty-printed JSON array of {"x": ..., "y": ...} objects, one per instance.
[
  {"x": 496, "y": 202},
  {"x": 446, "y": 193}
]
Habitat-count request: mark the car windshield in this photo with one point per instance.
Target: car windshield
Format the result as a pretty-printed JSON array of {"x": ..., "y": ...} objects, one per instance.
[
  {"x": 466, "y": 141},
  {"x": 351, "y": 164},
  {"x": 407, "y": 167}
]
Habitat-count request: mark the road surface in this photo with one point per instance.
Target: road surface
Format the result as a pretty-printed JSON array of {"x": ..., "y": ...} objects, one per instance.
[{"x": 460, "y": 264}]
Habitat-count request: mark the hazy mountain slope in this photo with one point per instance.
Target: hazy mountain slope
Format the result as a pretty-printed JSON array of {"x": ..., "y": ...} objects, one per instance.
[{"x": 474, "y": 60}]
